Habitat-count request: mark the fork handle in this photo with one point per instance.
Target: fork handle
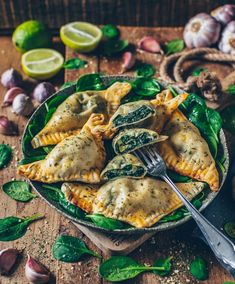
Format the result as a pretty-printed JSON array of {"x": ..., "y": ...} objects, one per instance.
[{"x": 222, "y": 247}]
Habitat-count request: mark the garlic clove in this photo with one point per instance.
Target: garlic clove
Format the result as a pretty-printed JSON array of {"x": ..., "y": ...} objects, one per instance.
[
  {"x": 128, "y": 59},
  {"x": 7, "y": 127},
  {"x": 227, "y": 41},
  {"x": 8, "y": 259},
  {"x": 10, "y": 95},
  {"x": 43, "y": 91},
  {"x": 35, "y": 272},
  {"x": 11, "y": 78},
  {"x": 22, "y": 105},
  {"x": 149, "y": 43},
  {"x": 224, "y": 14}
]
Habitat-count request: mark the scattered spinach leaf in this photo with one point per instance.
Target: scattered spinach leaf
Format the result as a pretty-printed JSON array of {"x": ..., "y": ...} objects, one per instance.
[
  {"x": 5, "y": 155},
  {"x": 105, "y": 222},
  {"x": 145, "y": 70},
  {"x": 67, "y": 84},
  {"x": 70, "y": 249},
  {"x": 31, "y": 159},
  {"x": 229, "y": 228},
  {"x": 90, "y": 82},
  {"x": 146, "y": 87},
  {"x": 198, "y": 268},
  {"x": 74, "y": 63},
  {"x": 48, "y": 149},
  {"x": 120, "y": 268},
  {"x": 228, "y": 117},
  {"x": 231, "y": 90},
  {"x": 112, "y": 47},
  {"x": 165, "y": 263},
  {"x": 174, "y": 46},
  {"x": 18, "y": 190},
  {"x": 175, "y": 216},
  {"x": 177, "y": 177},
  {"x": 12, "y": 228},
  {"x": 110, "y": 31},
  {"x": 198, "y": 71}
]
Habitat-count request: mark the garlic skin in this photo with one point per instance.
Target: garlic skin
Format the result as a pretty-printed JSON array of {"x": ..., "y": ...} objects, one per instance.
[
  {"x": 128, "y": 59},
  {"x": 43, "y": 91},
  {"x": 8, "y": 259},
  {"x": 227, "y": 41},
  {"x": 35, "y": 272},
  {"x": 224, "y": 14},
  {"x": 201, "y": 31},
  {"x": 11, "y": 78},
  {"x": 7, "y": 127},
  {"x": 149, "y": 44},
  {"x": 22, "y": 105},
  {"x": 10, "y": 95}
]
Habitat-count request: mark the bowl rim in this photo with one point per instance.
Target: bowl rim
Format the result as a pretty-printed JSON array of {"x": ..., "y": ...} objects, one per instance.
[{"x": 132, "y": 230}]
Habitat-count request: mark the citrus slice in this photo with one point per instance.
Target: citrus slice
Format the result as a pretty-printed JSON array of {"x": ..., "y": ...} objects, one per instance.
[
  {"x": 81, "y": 36},
  {"x": 41, "y": 63}
]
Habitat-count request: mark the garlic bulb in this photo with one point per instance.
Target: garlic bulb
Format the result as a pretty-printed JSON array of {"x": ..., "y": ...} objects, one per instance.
[
  {"x": 201, "y": 31},
  {"x": 224, "y": 14},
  {"x": 149, "y": 44},
  {"x": 10, "y": 95},
  {"x": 7, "y": 127},
  {"x": 128, "y": 60},
  {"x": 35, "y": 272},
  {"x": 11, "y": 78},
  {"x": 227, "y": 41},
  {"x": 43, "y": 91},
  {"x": 22, "y": 105},
  {"x": 8, "y": 259}
]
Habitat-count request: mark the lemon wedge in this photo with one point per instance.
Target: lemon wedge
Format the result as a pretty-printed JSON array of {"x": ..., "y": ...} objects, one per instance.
[
  {"x": 81, "y": 36},
  {"x": 42, "y": 63}
]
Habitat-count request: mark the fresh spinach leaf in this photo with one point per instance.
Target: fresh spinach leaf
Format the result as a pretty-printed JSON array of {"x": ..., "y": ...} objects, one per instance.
[
  {"x": 165, "y": 263},
  {"x": 174, "y": 46},
  {"x": 18, "y": 190},
  {"x": 231, "y": 90},
  {"x": 53, "y": 192},
  {"x": 145, "y": 70},
  {"x": 49, "y": 148},
  {"x": 198, "y": 71},
  {"x": 177, "y": 177},
  {"x": 114, "y": 46},
  {"x": 105, "y": 222},
  {"x": 67, "y": 84},
  {"x": 74, "y": 63},
  {"x": 5, "y": 155},
  {"x": 228, "y": 117},
  {"x": 70, "y": 249},
  {"x": 110, "y": 31},
  {"x": 90, "y": 82},
  {"x": 198, "y": 268},
  {"x": 13, "y": 228},
  {"x": 229, "y": 228},
  {"x": 120, "y": 268},
  {"x": 175, "y": 216},
  {"x": 31, "y": 160},
  {"x": 146, "y": 87}
]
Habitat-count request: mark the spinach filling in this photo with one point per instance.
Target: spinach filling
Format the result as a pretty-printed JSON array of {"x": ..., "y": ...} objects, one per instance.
[
  {"x": 128, "y": 143},
  {"x": 128, "y": 170},
  {"x": 134, "y": 116}
]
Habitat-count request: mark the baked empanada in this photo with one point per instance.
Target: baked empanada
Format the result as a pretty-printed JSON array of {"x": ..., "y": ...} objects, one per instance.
[
  {"x": 139, "y": 202},
  {"x": 129, "y": 140},
  {"x": 186, "y": 152},
  {"x": 73, "y": 113},
  {"x": 77, "y": 158},
  {"x": 126, "y": 165}
]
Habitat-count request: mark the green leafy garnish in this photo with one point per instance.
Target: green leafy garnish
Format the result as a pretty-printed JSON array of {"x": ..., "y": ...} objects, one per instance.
[
  {"x": 29, "y": 160},
  {"x": 105, "y": 222},
  {"x": 198, "y": 268},
  {"x": 147, "y": 87},
  {"x": 145, "y": 70},
  {"x": 231, "y": 90},
  {"x": 110, "y": 31},
  {"x": 5, "y": 155},
  {"x": 74, "y": 63},
  {"x": 228, "y": 117},
  {"x": 89, "y": 82},
  {"x": 48, "y": 148},
  {"x": 120, "y": 268},
  {"x": 165, "y": 263},
  {"x": 174, "y": 46},
  {"x": 229, "y": 228},
  {"x": 198, "y": 71},
  {"x": 67, "y": 84},
  {"x": 70, "y": 249},
  {"x": 111, "y": 47},
  {"x": 18, "y": 190},
  {"x": 177, "y": 177},
  {"x": 13, "y": 228}
]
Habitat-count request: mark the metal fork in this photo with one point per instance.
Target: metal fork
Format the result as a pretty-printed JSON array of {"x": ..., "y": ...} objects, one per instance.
[{"x": 222, "y": 247}]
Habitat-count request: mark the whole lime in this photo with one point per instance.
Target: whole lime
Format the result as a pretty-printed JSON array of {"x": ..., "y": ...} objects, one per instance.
[{"x": 30, "y": 35}]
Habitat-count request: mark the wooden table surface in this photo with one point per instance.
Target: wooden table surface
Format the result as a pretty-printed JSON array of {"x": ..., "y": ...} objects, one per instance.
[{"x": 41, "y": 234}]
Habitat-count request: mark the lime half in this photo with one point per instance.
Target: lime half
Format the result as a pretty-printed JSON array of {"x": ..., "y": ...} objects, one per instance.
[
  {"x": 81, "y": 36},
  {"x": 41, "y": 63}
]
